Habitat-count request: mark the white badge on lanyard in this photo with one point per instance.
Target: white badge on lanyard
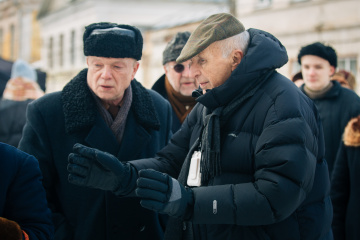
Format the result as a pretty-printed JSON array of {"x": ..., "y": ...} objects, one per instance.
[{"x": 194, "y": 176}]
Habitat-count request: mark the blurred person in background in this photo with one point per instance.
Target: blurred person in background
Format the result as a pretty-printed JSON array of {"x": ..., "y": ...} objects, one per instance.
[
  {"x": 20, "y": 90},
  {"x": 176, "y": 85},
  {"x": 102, "y": 107},
  {"x": 298, "y": 79},
  {"x": 336, "y": 105},
  {"x": 24, "y": 214},
  {"x": 345, "y": 78},
  {"x": 345, "y": 190}
]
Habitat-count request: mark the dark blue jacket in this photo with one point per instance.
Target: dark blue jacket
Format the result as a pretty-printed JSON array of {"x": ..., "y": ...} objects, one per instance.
[
  {"x": 22, "y": 196},
  {"x": 274, "y": 182},
  {"x": 336, "y": 108},
  {"x": 159, "y": 87},
  {"x": 59, "y": 120}
]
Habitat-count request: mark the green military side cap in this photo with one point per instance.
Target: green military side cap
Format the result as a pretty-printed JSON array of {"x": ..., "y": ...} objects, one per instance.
[{"x": 216, "y": 27}]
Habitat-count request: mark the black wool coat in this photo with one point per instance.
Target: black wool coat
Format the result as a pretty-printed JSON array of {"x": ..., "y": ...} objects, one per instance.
[
  {"x": 56, "y": 122},
  {"x": 336, "y": 108},
  {"x": 274, "y": 182},
  {"x": 345, "y": 191}
]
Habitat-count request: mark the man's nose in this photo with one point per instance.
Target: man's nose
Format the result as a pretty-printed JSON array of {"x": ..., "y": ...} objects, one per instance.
[
  {"x": 106, "y": 73},
  {"x": 193, "y": 71},
  {"x": 186, "y": 72}
]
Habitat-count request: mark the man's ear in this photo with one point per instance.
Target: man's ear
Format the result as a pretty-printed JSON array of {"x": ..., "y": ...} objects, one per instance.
[
  {"x": 332, "y": 70},
  {"x": 236, "y": 57},
  {"x": 165, "y": 69}
]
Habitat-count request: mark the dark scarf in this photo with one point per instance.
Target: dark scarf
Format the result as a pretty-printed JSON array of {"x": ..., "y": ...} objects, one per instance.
[
  {"x": 182, "y": 105},
  {"x": 117, "y": 123}
]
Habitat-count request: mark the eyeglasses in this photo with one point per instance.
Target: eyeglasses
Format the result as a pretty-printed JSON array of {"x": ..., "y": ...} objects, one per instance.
[{"x": 179, "y": 68}]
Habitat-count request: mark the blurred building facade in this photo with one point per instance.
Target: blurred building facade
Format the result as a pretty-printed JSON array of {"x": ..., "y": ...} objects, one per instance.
[
  {"x": 19, "y": 30},
  {"x": 62, "y": 26},
  {"x": 295, "y": 22}
]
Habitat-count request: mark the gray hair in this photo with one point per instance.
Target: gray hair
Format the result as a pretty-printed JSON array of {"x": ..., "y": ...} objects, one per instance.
[{"x": 239, "y": 41}]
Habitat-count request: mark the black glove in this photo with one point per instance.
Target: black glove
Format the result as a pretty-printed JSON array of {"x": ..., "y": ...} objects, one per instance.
[
  {"x": 94, "y": 168},
  {"x": 164, "y": 194}
]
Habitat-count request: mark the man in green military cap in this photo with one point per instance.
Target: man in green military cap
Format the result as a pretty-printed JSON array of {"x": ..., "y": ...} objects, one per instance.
[{"x": 248, "y": 159}]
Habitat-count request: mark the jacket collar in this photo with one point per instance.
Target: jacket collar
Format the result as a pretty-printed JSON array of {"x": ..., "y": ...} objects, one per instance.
[
  {"x": 80, "y": 108},
  {"x": 332, "y": 93},
  {"x": 159, "y": 86}
]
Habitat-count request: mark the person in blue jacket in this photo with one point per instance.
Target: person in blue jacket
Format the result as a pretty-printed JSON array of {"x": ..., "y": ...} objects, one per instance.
[
  {"x": 248, "y": 161},
  {"x": 336, "y": 105},
  {"x": 24, "y": 213}
]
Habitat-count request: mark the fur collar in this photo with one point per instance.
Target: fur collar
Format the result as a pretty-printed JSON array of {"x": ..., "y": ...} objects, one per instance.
[
  {"x": 352, "y": 133},
  {"x": 80, "y": 108}
]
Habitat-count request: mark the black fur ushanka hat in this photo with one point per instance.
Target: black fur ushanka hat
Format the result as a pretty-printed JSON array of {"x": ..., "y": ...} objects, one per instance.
[
  {"x": 112, "y": 40},
  {"x": 320, "y": 50}
]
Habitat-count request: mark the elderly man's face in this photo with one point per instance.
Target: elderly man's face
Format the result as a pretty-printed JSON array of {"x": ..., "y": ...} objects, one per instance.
[
  {"x": 108, "y": 78},
  {"x": 210, "y": 68},
  {"x": 316, "y": 72},
  {"x": 180, "y": 81}
]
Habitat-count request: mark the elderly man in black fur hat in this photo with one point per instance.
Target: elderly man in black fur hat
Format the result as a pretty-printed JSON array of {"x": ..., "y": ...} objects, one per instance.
[
  {"x": 103, "y": 107},
  {"x": 176, "y": 85},
  {"x": 336, "y": 105}
]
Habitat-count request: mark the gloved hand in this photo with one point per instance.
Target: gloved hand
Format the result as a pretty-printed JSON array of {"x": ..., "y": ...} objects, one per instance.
[
  {"x": 10, "y": 230},
  {"x": 164, "y": 194},
  {"x": 94, "y": 168}
]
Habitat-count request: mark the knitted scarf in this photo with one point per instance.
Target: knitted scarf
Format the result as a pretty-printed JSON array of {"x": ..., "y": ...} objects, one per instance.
[
  {"x": 181, "y": 104},
  {"x": 117, "y": 125}
]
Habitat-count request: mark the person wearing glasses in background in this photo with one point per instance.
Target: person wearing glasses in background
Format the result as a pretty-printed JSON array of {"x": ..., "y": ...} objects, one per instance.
[
  {"x": 176, "y": 85},
  {"x": 106, "y": 108}
]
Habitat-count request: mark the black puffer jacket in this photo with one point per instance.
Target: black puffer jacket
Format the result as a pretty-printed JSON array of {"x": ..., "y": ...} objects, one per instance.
[{"x": 274, "y": 182}]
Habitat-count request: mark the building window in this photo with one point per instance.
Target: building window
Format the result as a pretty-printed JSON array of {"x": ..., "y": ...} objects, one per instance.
[
  {"x": 72, "y": 47},
  {"x": 12, "y": 41},
  {"x": 50, "y": 53},
  {"x": 263, "y": 3},
  {"x": 61, "y": 50},
  {"x": 348, "y": 64}
]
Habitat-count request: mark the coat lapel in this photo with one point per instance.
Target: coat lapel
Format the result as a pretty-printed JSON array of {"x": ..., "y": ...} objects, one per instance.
[
  {"x": 135, "y": 138},
  {"x": 101, "y": 137}
]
